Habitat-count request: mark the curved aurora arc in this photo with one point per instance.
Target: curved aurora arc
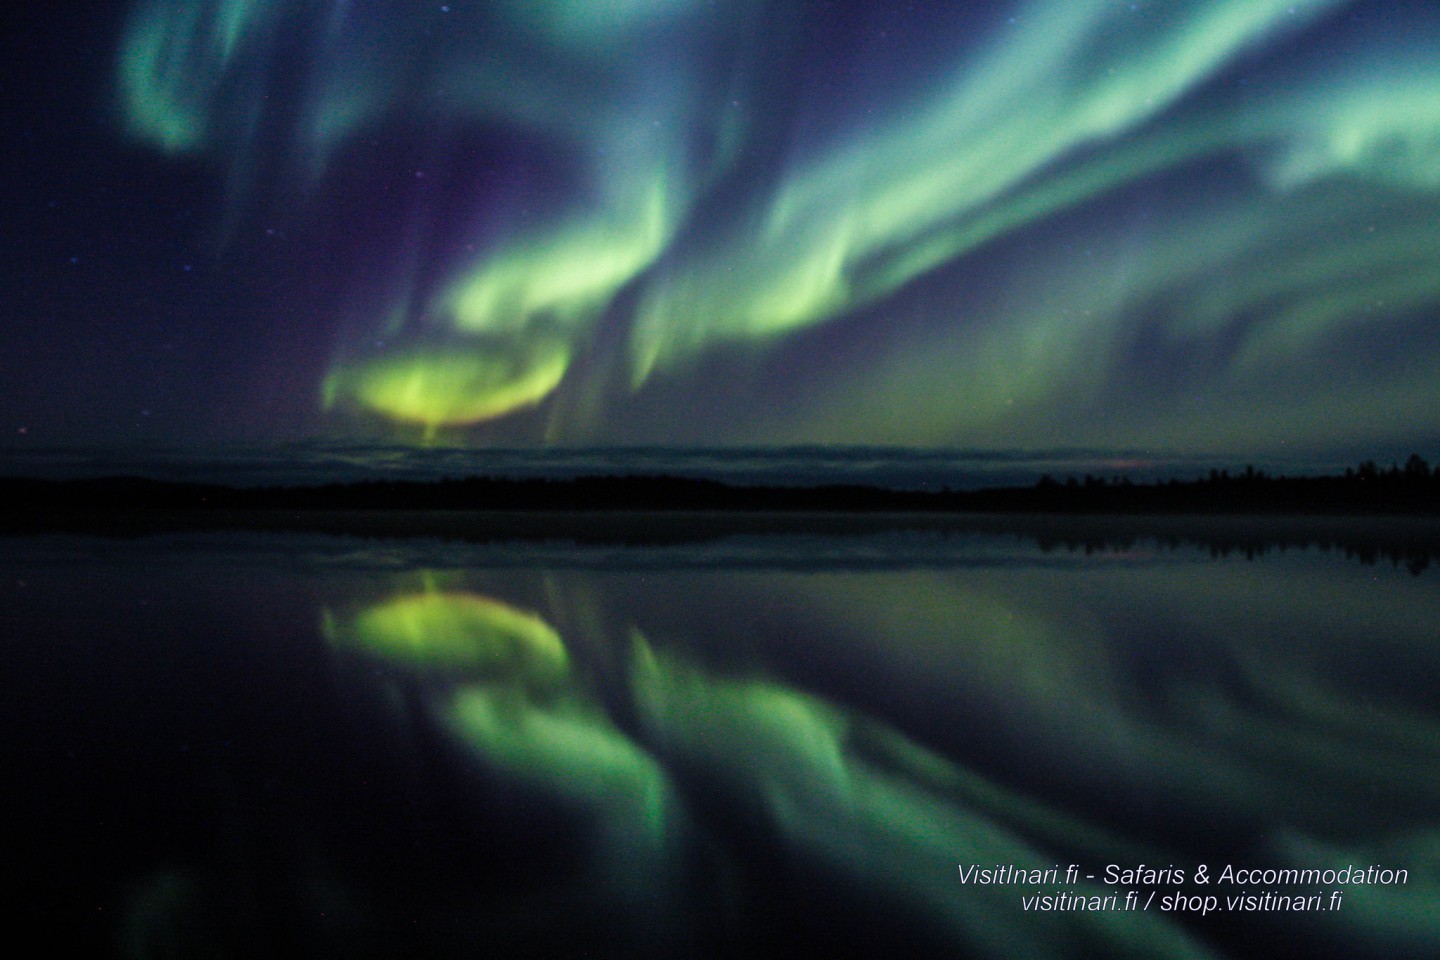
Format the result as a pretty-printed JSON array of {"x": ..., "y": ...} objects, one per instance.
[{"x": 1027, "y": 223}]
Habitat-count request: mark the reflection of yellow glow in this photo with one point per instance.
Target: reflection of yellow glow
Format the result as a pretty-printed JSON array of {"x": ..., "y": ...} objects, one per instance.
[
  {"x": 459, "y": 385},
  {"x": 453, "y": 632}
]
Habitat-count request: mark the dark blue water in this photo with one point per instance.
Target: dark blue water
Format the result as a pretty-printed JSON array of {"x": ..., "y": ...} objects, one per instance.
[{"x": 240, "y": 745}]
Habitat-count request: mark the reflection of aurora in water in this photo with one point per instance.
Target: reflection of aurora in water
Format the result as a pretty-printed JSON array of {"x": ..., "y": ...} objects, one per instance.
[
  {"x": 1172, "y": 713},
  {"x": 715, "y": 760},
  {"x": 1037, "y": 222}
]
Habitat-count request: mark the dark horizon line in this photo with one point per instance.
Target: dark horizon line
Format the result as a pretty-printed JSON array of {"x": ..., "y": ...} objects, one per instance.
[
  {"x": 242, "y": 451},
  {"x": 1366, "y": 489}
]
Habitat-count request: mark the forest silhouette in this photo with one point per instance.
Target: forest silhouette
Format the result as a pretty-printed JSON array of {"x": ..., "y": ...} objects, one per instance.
[{"x": 1363, "y": 490}]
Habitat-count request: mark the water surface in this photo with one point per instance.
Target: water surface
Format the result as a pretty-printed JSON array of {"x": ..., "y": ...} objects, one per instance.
[{"x": 234, "y": 744}]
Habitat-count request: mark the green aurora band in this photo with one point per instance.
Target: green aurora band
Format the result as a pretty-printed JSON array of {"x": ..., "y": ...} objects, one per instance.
[{"x": 987, "y": 238}]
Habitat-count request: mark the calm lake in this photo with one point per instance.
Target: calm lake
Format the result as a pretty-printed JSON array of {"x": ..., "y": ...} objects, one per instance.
[{"x": 234, "y": 744}]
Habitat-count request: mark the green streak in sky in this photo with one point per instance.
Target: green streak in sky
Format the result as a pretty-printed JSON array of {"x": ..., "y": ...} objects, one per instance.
[
  {"x": 566, "y": 276},
  {"x": 1074, "y": 78},
  {"x": 172, "y": 69},
  {"x": 1028, "y": 133},
  {"x": 591, "y": 26},
  {"x": 439, "y": 387}
]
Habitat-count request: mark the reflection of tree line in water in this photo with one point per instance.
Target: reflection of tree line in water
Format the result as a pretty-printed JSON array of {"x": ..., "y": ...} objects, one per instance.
[
  {"x": 1414, "y": 556},
  {"x": 1368, "y": 514}
]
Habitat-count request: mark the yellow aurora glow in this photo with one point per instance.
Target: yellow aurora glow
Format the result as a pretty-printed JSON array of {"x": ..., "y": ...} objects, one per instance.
[{"x": 437, "y": 388}]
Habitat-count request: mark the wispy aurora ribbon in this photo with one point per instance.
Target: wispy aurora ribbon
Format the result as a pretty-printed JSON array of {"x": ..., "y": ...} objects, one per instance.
[{"x": 711, "y": 199}]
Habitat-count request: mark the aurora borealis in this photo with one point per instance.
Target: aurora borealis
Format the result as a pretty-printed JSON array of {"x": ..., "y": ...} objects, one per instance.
[
  {"x": 543, "y": 250},
  {"x": 1193, "y": 226}
]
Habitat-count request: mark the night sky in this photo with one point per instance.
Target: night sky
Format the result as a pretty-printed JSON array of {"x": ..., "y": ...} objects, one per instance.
[{"x": 1202, "y": 226}]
